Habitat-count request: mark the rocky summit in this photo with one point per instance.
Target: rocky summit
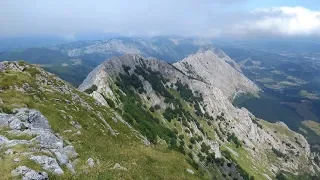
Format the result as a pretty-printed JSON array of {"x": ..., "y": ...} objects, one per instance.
[
  {"x": 213, "y": 68},
  {"x": 142, "y": 118}
]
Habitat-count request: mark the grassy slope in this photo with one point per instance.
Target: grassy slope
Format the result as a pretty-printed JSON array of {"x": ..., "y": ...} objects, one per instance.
[{"x": 156, "y": 162}]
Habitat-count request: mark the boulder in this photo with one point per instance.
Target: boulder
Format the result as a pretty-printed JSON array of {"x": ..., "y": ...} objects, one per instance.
[
  {"x": 3, "y": 140},
  {"x": 4, "y": 119},
  {"x": 65, "y": 154},
  {"x": 9, "y": 152},
  {"x": 48, "y": 140},
  {"x": 190, "y": 171},
  {"x": 119, "y": 167},
  {"x": 71, "y": 168},
  {"x": 76, "y": 125},
  {"x": 35, "y": 118},
  {"x": 90, "y": 162},
  {"x": 29, "y": 174},
  {"x": 62, "y": 158},
  {"x": 48, "y": 163},
  {"x": 16, "y": 160},
  {"x": 69, "y": 151},
  {"x": 15, "y": 123}
]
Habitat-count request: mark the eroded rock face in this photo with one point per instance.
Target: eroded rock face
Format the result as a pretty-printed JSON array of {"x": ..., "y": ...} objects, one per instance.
[
  {"x": 32, "y": 123},
  {"x": 215, "y": 71}
]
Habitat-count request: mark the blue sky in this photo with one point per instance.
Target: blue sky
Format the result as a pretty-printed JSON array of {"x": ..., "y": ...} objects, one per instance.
[
  {"x": 310, "y": 4},
  {"x": 208, "y": 18}
]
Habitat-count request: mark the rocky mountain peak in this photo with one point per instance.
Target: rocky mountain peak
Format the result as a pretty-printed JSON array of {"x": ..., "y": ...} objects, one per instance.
[{"x": 212, "y": 69}]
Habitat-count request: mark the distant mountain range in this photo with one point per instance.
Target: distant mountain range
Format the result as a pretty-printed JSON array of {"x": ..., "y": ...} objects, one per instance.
[{"x": 72, "y": 61}]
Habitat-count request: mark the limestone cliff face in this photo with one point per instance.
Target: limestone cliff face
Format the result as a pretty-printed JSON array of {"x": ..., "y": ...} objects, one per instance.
[
  {"x": 213, "y": 69},
  {"x": 268, "y": 147}
]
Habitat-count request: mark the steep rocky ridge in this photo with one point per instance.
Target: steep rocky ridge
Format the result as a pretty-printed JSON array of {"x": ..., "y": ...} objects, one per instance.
[
  {"x": 194, "y": 101},
  {"x": 225, "y": 57}
]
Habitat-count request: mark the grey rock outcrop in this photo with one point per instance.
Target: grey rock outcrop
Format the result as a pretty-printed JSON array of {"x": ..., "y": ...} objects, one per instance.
[
  {"x": 16, "y": 160},
  {"x": 91, "y": 162},
  {"x": 61, "y": 157},
  {"x": 29, "y": 174},
  {"x": 2, "y": 67},
  {"x": 9, "y": 152},
  {"x": 190, "y": 171},
  {"x": 49, "y": 140},
  {"x": 34, "y": 119},
  {"x": 65, "y": 154},
  {"x": 32, "y": 123},
  {"x": 117, "y": 166},
  {"x": 48, "y": 163}
]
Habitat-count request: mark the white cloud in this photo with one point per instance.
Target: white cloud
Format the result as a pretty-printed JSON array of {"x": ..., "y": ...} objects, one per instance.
[{"x": 284, "y": 21}]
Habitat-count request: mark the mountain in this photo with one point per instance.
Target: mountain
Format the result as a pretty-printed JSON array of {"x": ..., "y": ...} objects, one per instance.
[
  {"x": 192, "y": 98},
  {"x": 170, "y": 49},
  {"x": 213, "y": 70},
  {"x": 73, "y": 61}
]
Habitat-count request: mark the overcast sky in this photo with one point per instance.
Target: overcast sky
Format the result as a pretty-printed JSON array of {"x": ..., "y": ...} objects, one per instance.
[{"x": 208, "y": 18}]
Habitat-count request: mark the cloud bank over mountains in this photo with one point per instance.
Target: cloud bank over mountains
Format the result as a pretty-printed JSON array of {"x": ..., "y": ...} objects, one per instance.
[
  {"x": 286, "y": 21},
  {"x": 151, "y": 18}
]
